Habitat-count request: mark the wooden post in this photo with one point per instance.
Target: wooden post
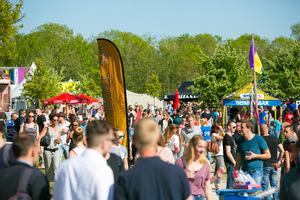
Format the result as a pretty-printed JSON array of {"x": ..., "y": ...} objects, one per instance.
[{"x": 256, "y": 101}]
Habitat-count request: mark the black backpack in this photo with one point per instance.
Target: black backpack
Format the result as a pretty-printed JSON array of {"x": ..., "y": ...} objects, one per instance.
[
  {"x": 21, "y": 191},
  {"x": 45, "y": 140}
]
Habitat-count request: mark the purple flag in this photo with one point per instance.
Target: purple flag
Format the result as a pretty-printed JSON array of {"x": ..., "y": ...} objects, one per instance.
[{"x": 251, "y": 54}]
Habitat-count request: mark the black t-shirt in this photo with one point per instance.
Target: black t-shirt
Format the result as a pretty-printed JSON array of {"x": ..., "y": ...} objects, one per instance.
[
  {"x": 228, "y": 141},
  {"x": 236, "y": 136},
  {"x": 206, "y": 115},
  {"x": 40, "y": 121},
  {"x": 233, "y": 112},
  {"x": 116, "y": 164},
  {"x": 18, "y": 123},
  {"x": 272, "y": 143},
  {"x": 130, "y": 116},
  {"x": 151, "y": 178}
]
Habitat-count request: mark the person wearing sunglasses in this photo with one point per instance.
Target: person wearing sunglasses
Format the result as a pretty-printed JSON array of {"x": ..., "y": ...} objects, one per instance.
[
  {"x": 51, "y": 153},
  {"x": 30, "y": 126},
  {"x": 119, "y": 149}
]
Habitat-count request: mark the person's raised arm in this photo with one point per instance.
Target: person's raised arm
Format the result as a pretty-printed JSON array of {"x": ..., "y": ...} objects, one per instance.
[{"x": 264, "y": 156}]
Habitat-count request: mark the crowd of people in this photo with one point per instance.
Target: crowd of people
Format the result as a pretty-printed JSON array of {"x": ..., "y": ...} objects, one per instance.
[{"x": 168, "y": 155}]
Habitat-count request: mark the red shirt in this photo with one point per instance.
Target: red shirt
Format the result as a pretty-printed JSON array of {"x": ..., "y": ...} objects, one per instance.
[{"x": 288, "y": 117}]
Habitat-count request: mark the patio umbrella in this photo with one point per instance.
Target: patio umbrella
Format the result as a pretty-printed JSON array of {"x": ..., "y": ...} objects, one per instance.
[
  {"x": 65, "y": 98},
  {"x": 90, "y": 99},
  {"x": 176, "y": 100}
]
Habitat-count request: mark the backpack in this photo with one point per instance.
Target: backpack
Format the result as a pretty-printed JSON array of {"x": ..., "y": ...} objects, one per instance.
[
  {"x": 21, "y": 191},
  {"x": 45, "y": 140},
  {"x": 272, "y": 123}
]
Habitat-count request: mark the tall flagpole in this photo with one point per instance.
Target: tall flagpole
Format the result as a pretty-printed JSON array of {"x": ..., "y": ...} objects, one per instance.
[{"x": 256, "y": 101}]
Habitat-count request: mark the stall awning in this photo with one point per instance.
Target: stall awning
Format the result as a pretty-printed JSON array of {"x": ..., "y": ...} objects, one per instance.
[
  {"x": 242, "y": 95},
  {"x": 185, "y": 94}
]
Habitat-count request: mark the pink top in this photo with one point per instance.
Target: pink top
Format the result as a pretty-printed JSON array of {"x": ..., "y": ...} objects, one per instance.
[
  {"x": 197, "y": 186},
  {"x": 165, "y": 154}
]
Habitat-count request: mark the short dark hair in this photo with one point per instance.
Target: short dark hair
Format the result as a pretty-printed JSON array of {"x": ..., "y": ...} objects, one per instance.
[
  {"x": 52, "y": 116},
  {"x": 249, "y": 124},
  {"x": 21, "y": 112},
  {"x": 95, "y": 131},
  {"x": 22, "y": 143}
]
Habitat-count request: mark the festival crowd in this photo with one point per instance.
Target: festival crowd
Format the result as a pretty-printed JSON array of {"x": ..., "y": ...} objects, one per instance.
[{"x": 170, "y": 156}]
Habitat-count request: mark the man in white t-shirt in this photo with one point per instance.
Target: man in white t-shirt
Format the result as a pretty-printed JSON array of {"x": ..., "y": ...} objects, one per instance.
[
  {"x": 88, "y": 176},
  {"x": 119, "y": 149},
  {"x": 63, "y": 126}
]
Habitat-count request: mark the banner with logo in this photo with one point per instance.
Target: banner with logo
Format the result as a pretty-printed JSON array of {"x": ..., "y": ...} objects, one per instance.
[{"x": 113, "y": 86}]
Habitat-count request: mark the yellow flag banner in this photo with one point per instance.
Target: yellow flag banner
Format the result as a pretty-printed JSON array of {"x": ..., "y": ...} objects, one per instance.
[{"x": 113, "y": 86}]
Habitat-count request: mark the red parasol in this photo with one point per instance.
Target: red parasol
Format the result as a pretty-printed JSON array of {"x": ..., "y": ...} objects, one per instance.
[
  {"x": 176, "y": 100},
  {"x": 65, "y": 98},
  {"x": 90, "y": 99}
]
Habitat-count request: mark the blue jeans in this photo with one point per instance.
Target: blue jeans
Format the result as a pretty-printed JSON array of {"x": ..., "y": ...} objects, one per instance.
[
  {"x": 230, "y": 177},
  {"x": 131, "y": 131},
  {"x": 277, "y": 133},
  {"x": 208, "y": 155},
  {"x": 63, "y": 150},
  {"x": 272, "y": 132},
  {"x": 257, "y": 176},
  {"x": 199, "y": 197},
  {"x": 269, "y": 174}
]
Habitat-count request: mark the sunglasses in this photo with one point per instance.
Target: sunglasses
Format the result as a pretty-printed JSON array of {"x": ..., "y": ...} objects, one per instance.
[
  {"x": 55, "y": 120},
  {"x": 234, "y": 127},
  {"x": 121, "y": 136},
  {"x": 173, "y": 127},
  {"x": 31, "y": 116},
  {"x": 75, "y": 124}
]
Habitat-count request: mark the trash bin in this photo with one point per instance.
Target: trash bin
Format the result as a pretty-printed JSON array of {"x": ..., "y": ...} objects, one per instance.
[{"x": 237, "y": 194}]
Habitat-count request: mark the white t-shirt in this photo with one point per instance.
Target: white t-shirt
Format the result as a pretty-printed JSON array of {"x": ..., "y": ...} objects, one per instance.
[
  {"x": 220, "y": 144},
  {"x": 174, "y": 142},
  {"x": 63, "y": 136}
]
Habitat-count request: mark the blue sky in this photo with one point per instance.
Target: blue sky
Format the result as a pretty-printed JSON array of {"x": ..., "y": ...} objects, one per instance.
[{"x": 226, "y": 18}]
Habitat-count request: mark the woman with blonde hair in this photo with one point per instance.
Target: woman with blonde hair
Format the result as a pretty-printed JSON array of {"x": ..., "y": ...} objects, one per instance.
[
  {"x": 172, "y": 139},
  {"x": 197, "y": 168},
  {"x": 78, "y": 136}
]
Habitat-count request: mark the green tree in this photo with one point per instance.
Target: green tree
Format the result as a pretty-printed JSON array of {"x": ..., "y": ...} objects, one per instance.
[
  {"x": 41, "y": 84},
  {"x": 10, "y": 17},
  {"x": 222, "y": 73},
  {"x": 153, "y": 86},
  {"x": 296, "y": 31},
  {"x": 283, "y": 74}
]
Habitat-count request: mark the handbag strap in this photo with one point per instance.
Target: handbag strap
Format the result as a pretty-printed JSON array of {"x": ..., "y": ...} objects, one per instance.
[{"x": 24, "y": 180}]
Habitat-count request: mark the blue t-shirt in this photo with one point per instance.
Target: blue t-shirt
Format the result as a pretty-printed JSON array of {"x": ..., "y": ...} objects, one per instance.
[
  {"x": 84, "y": 128},
  {"x": 206, "y": 132},
  {"x": 11, "y": 126},
  {"x": 263, "y": 118},
  {"x": 151, "y": 178},
  {"x": 292, "y": 106},
  {"x": 257, "y": 145},
  {"x": 277, "y": 125}
]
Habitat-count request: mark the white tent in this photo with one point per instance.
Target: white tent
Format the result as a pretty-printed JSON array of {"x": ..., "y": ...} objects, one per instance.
[
  {"x": 17, "y": 91},
  {"x": 142, "y": 99}
]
